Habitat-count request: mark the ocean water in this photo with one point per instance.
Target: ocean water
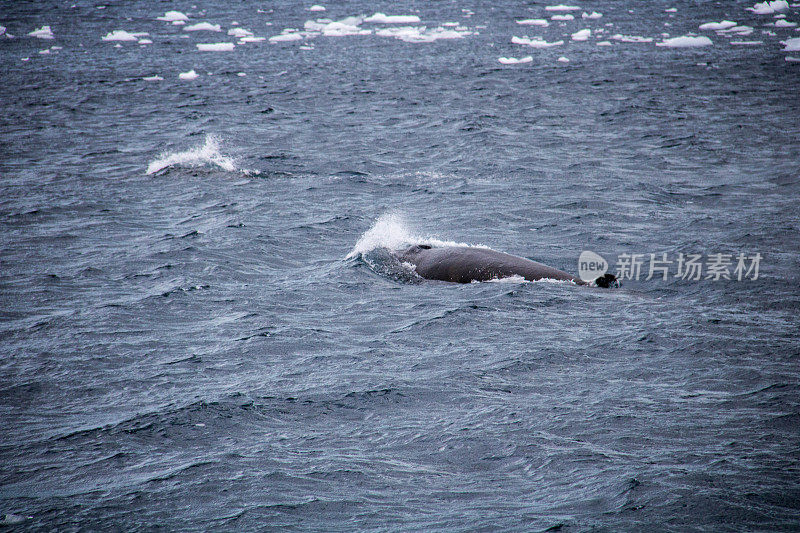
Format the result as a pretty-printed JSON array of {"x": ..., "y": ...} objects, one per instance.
[{"x": 202, "y": 326}]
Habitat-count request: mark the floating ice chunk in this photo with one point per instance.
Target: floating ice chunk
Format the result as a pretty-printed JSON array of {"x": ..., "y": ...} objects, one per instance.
[
  {"x": 631, "y": 38},
  {"x": 208, "y": 153},
  {"x": 392, "y": 19},
  {"x": 534, "y": 22},
  {"x": 340, "y": 28},
  {"x": 203, "y": 26},
  {"x": 153, "y": 78},
  {"x": 724, "y": 25},
  {"x": 173, "y": 16},
  {"x": 178, "y": 22},
  {"x": 536, "y": 42},
  {"x": 792, "y": 45},
  {"x": 145, "y": 41},
  {"x": 592, "y": 15},
  {"x": 562, "y": 17},
  {"x": 671, "y": 10},
  {"x": 781, "y": 23},
  {"x": 413, "y": 34},
  {"x": 120, "y": 35},
  {"x": 514, "y": 60},
  {"x": 45, "y": 51},
  {"x": 768, "y": 8},
  {"x": 562, "y": 7},
  {"x": 604, "y": 43},
  {"x": 2, "y": 30},
  {"x": 792, "y": 59},
  {"x": 582, "y": 35},
  {"x": 191, "y": 75},
  {"x": 316, "y": 7},
  {"x": 746, "y": 43},
  {"x": 286, "y": 37},
  {"x": 686, "y": 41},
  {"x": 241, "y": 74},
  {"x": 563, "y": 59},
  {"x": 215, "y": 47},
  {"x": 737, "y": 30},
  {"x": 42, "y": 33},
  {"x": 245, "y": 40},
  {"x": 240, "y": 32}
]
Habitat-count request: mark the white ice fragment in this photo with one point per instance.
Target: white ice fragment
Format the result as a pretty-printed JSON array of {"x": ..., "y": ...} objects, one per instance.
[
  {"x": 746, "y": 43},
  {"x": 240, "y": 32},
  {"x": 514, "y": 60},
  {"x": 392, "y": 19},
  {"x": 562, "y": 7},
  {"x": 191, "y": 75},
  {"x": 631, "y": 38},
  {"x": 42, "y": 33},
  {"x": 203, "y": 26},
  {"x": 316, "y": 7},
  {"x": 792, "y": 59},
  {"x": 791, "y": 45},
  {"x": 536, "y": 42},
  {"x": 153, "y": 78},
  {"x": 686, "y": 41},
  {"x": 592, "y": 15},
  {"x": 781, "y": 23},
  {"x": 563, "y": 59},
  {"x": 286, "y": 37},
  {"x": 671, "y": 10},
  {"x": 562, "y": 17},
  {"x": 534, "y": 22},
  {"x": 582, "y": 35},
  {"x": 768, "y": 8},
  {"x": 215, "y": 47},
  {"x": 604, "y": 43},
  {"x": 724, "y": 25},
  {"x": 120, "y": 35},
  {"x": 173, "y": 16}
]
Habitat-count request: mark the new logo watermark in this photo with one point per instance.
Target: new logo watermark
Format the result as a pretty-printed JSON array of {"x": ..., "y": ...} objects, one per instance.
[{"x": 663, "y": 266}]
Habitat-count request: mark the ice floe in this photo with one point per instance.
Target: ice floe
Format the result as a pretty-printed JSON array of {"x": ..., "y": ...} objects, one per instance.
[
  {"x": 746, "y": 43},
  {"x": 631, "y": 38},
  {"x": 240, "y": 32},
  {"x": 514, "y": 60},
  {"x": 122, "y": 35},
  {"x": 534, "y": 22},
  {"x": 791, "y": 45},
  {"x": 190, "y": 75},
  {"x": 286, "y": 37},
  {"x": 582, "y": 35},
  {"x": 782, "y": 23},
  {"x": 203, "y": 26},
  {"x": 563, "y": 59},
  {"x": 173, "y": 16},
  {"x": 562, "y": 7},
  {"x": 768, "y": 8},
  {"x": 724, "y": 25},
  {"x": 686, "y": 41},
  {"x": 43, "y": 33},
  {"x": 392, "y": 19},
  {"x": 592, "y": 15},
  {"x": 215, "y": 47},
  {"x": 316, "y": 7},
  {"x": 153, "y": 78},
  {"x": 562, "y": 17},
  {"x": 535, "y": 42},
  {"x": 422, "y": 34}
]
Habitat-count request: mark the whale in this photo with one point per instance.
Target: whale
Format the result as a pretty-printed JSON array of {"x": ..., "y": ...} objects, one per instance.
[{"x": 466, "y": 264}]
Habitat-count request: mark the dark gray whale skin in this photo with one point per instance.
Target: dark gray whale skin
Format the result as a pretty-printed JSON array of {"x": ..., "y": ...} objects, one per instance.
[{"x": 463, "y": 264}]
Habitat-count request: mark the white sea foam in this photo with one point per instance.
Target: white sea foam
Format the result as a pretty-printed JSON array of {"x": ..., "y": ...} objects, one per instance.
[
  {"x": 768, "y": 8},
  {"x": 514, "y": 60},
  {"x": 562, "y": 17},
  {"x": 392, "y": 19},
  {"x": 42, "y": 33},
  {"x": 203, "y": 26},
  {"x": 791, "y": 45},
  {"x": 562, "y": 7},
  {"x": 686, "y": 41},
  {"x": 535, "y": 42},
  {"x": 592, "y": 15},
  {"x": 120, "y": 35},
  {"x": 173, "y": 16},
  {"x": 208, "y": 153},
  {"x": 215, "y": 47},
  {"x": 534, "y": 22},
  {"x": 190, "y": 75},
  {"x": 391, "y": 231},
  {"x": 582, "y": 35},
  {"x": 724, "y": 25}
]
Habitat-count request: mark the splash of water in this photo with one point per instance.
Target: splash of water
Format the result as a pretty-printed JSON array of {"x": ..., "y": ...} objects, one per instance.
[
  {"x": 208, "y": 153},
  {"x": 391, "y": 231}
]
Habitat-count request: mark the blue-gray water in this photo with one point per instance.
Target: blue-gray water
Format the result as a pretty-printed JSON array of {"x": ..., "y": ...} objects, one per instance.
[{"x": 221, "y": 344}]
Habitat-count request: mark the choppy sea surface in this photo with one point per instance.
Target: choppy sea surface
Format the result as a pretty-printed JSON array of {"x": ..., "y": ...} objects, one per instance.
[{"x": 202, "y": 326}]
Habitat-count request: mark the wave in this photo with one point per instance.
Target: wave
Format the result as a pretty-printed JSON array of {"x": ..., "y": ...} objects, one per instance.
[{"x": 208, "y": 153}]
